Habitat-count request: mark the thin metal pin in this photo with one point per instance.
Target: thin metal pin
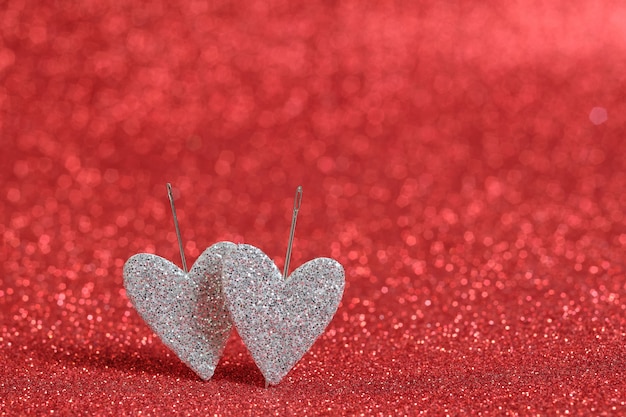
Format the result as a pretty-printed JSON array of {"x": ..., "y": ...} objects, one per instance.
[
  {"x": 180, "y": 240},
  {"x": 297, "y": 202}
]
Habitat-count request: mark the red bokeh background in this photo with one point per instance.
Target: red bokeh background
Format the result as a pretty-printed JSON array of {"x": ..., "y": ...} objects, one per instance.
[{"x": 464, "y": 161}]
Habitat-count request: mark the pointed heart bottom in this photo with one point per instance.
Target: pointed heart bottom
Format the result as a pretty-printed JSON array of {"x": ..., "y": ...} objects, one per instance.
[
  {"x": 277, "y": 319},
  {"x": 186, "y": 310}
]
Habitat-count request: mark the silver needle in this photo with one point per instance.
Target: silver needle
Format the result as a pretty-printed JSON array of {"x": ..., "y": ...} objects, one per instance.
[
  {"x": 296, "y": 206},
  {"x": 180, "y": 241}
]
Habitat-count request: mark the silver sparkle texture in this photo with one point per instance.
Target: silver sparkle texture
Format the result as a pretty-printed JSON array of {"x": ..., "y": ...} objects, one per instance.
[
  {"x": 185, "y": 310},
  {"x": 277, "y": 319}
]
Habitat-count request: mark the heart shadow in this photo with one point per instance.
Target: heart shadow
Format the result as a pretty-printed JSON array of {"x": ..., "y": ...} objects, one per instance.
[
  {"x": 236, "y": 364},
  {"x": 239, "y": 373},
  {"x": 153, "y": 361}
]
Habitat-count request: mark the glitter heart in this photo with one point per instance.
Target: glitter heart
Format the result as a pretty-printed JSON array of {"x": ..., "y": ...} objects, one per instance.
[
  {"x": 186, "y": 310},
  {"x": 278, "y": 319}
]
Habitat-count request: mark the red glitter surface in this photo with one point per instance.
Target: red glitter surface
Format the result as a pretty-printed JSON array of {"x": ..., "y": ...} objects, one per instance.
[{"x": 464, "y": 161}]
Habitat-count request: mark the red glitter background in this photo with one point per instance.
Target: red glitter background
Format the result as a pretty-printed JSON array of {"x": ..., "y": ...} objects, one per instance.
[{"x": 463, "y": 160}]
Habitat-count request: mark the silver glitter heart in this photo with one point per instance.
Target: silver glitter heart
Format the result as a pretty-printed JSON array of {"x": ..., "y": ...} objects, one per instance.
[
  {"x": 277, "y": 319},
  {"x": 186, "y": 310}
]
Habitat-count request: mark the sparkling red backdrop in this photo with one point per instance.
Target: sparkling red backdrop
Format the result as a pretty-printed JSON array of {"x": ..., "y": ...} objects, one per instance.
[{"x": 464, "y": 161}]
